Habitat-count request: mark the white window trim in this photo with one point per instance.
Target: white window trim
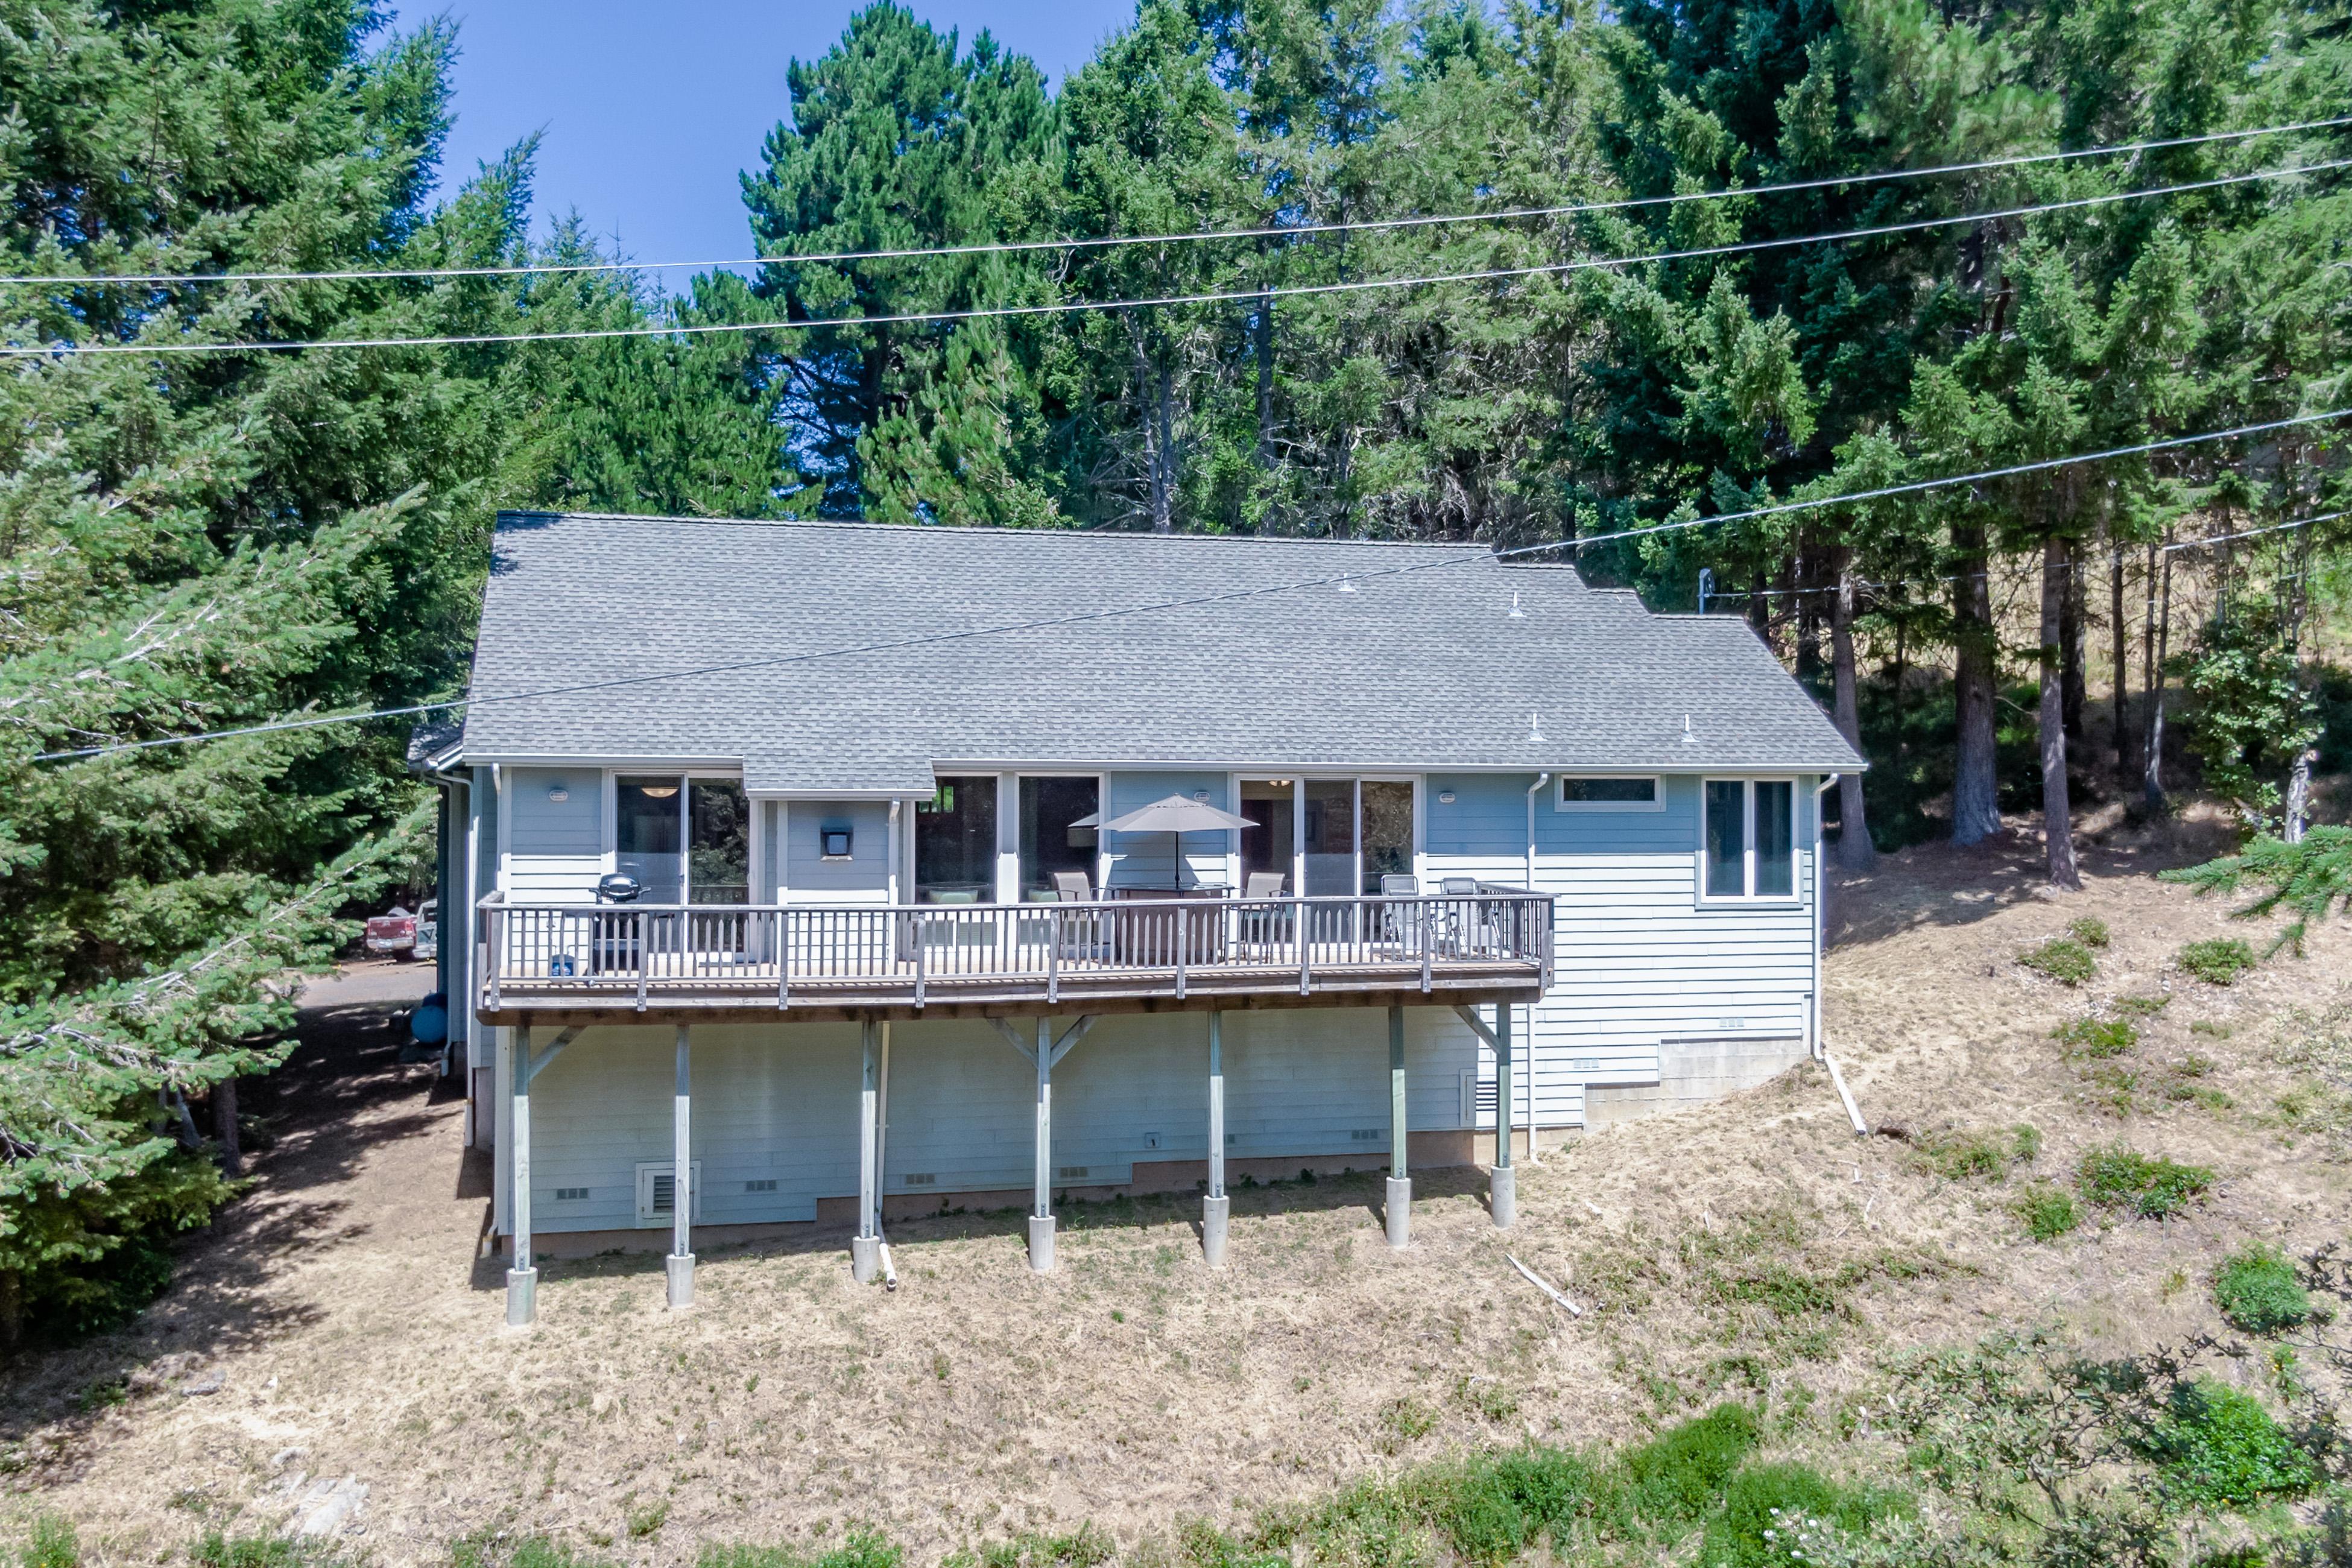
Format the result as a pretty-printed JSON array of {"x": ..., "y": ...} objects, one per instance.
[
  {"x": 1658, "y": 800},
  {"x": 1748, "y": 898}
]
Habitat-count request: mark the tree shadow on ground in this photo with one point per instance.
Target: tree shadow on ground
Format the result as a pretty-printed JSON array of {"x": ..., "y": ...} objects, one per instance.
[
  {"x": 340, "y": 1095},
  {"x": 1948, "y": 885}
]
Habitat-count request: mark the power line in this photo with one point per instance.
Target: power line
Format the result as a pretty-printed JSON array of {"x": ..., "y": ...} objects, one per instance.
[
  {"x": 1118, "y": 612},
  {"x": 2255, "y": 532},
  {"x": 1277, "y": 231},
  {"x": 1915, "y": 485},
  {"x": 993, "y": 313}
]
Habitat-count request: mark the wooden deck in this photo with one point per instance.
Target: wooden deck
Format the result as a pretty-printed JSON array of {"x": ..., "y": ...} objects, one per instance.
[{"x": 571, "y": 963}]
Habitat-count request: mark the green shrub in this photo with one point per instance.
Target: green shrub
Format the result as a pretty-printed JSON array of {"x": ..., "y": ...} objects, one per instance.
[
  {"x": 2048, "y": 1212},
  {"x": 52, "y": 1544},
  {"x": 1087, "y": 1547},
  {"x": 2218, "y": 960},
  {"x": 2218, "y": 1445},
  {"x": 1763, "y": 1503},
  {"x": 2063, "y": 959},
  {"x": 2257, "y": 1290},
  {"x": 2119, "y": 1176},
  {"x": 2090, "y": 930},
  {"x": 1959, "y": 1154},
  {"x": 1677, "y": 1475},
  {"x": 2090, "y": 1036}
]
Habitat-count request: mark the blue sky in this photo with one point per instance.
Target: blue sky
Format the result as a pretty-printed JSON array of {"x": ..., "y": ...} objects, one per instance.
[{"x": 649, "y": 112}]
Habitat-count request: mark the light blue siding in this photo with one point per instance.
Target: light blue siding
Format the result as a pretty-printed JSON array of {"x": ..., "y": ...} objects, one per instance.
[
  {"x": 1145, "y": 859},
  {"x": 862, "y": 878},
  {"x": 1638, "y": 959},
  {"x": 779, "y": 1102},
  {"x": 556, "y": 847}
]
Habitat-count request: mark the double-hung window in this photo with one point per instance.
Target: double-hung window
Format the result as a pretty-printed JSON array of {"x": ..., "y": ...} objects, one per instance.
[{"x": 1750, "y": 847}]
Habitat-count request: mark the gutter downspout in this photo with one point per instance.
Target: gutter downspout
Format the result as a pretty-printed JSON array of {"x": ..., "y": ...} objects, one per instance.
[
  {"x": 1820, "y": 915},
  {"x": 1533, "y": 790}
]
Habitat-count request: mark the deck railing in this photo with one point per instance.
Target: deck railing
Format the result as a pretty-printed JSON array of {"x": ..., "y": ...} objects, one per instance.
[{"x": 823, "y": 954}]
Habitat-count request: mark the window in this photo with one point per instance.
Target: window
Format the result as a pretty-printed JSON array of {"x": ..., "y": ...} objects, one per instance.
[
  {"x": 1637, "y": 792},
  {"x": 1049, "y": 841},
  {"x": 1750, "y": 849},
  {"x": 685, "y": 840},
  {"x": 955, "y": 842}
]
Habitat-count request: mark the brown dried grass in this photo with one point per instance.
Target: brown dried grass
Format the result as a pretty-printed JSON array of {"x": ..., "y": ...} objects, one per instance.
[{"x": 1751, "y": 1244}]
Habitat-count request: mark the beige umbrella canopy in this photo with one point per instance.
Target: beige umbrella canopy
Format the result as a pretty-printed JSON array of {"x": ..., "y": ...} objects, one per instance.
[{"x": 1176, "y": 816}]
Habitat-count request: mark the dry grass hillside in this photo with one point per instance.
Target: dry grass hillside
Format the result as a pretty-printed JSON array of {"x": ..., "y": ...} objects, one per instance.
[{"x": 339, "y": 1322}]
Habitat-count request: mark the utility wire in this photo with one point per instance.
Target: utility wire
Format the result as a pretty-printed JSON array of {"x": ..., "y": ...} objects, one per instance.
[
  {"x": 1277, "y": 231},
  {"x": 1350, "y": 576},
  {"x": 2255, "y": 533},
  {"x": 1714, "y": 593},
  {"x": 993, "y": 312}
]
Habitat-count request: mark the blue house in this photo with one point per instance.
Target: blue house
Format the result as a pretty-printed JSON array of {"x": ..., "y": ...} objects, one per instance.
[{"x": 821, "y": 873}]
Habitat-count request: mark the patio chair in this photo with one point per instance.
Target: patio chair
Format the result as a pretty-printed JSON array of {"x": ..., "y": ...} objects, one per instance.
[
  {"x": 1081, "y": 935},
  {"x": 1263, "y": 928},
  {"x": 1401, "y": 926}
]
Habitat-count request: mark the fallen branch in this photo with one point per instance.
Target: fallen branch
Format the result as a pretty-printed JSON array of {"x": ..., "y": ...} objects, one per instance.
[{"x": 1537, "y": 1280}]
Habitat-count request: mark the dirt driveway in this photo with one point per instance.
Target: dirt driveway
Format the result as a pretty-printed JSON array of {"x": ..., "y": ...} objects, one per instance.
[{"x": 353, "y": 1329}]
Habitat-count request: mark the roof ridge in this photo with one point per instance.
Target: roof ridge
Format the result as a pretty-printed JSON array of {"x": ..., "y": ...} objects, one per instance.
[{"x": 853, "y": 524}]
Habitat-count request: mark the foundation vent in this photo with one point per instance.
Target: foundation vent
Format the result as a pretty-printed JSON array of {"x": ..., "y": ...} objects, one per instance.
[
  {"x": 764, "y": 1184},
  {"x": 919, "y": 1179},
  {"x": 1585, "y": 1064},
  {"x": 571, "y": 1194},
  {"x": 1071, "y": 1172},
  {"x": 1363, "y": 1134}
]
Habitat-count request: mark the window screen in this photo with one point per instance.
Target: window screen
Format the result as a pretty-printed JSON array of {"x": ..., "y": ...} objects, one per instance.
[
  {"x": 1726, "y": 839},
  {"x": 1775, "y": 859},
  {"x": 1609, "y": 791}
]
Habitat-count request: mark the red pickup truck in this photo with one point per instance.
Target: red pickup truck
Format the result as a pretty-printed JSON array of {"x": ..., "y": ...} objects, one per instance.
[{"x": 404, "y": 935}]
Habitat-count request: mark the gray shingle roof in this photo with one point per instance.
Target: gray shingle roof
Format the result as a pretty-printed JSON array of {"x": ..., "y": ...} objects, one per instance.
[{"x": 1422, "y": 668}]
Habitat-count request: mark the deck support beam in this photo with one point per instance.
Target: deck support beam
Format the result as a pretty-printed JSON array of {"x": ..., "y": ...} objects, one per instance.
[
  {"x": 522, "y": 1280},
  {"x": 1216, "y": 1208},
  {"x": 1041, "y": 1213},
  {"x": 865, "y": 1246},
  {"x": 1048, "y": 1051},
  {"x": 680, "y": 1261},
  {"x": 1502, "y": 1181},
  {"x": 1400, "y": 1191}
]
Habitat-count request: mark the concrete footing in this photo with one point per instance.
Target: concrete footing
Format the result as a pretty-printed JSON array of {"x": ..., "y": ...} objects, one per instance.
[
  {"x": 681, "y": 1278},
  {"x": 1041, "y": 1243},
  {"x": 865, "y": 1259},
  {"x": 1400, "y": 1211},
  {"x": 1216, "y": 1217},
  {"x": 1503, "y": 1195},
  {"x": 522, "y": 1297}
]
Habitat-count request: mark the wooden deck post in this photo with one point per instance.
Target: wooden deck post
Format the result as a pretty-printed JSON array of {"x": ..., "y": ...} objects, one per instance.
[
  {"x": 1216, "y": 1209},
  {"x": 865, "y": 1246},
  {"x": 1502, "y": 1181},
  {"x": 1400, "y": 1192},
  {"x": 680, "y": 1262},
  {"x": 1041, "y": 1215},
  {"x": 522, "y": 1280}
]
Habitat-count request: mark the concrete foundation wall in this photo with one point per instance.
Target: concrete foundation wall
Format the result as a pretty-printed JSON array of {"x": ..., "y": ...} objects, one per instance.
[{"x": 1692, "y": 1071}]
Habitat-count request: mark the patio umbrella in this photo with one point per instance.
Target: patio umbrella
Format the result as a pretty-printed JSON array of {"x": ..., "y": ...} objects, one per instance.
[{"x": 1176, "y": 816}]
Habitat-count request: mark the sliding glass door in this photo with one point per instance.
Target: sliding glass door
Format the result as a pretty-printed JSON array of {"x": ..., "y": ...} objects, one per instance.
[
  {"x": 685, "y": 840},
  {"x": 955, "y": 842},
  {"x": 1050, "y": 845},
  {"x": 1348, "y": 833}
]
